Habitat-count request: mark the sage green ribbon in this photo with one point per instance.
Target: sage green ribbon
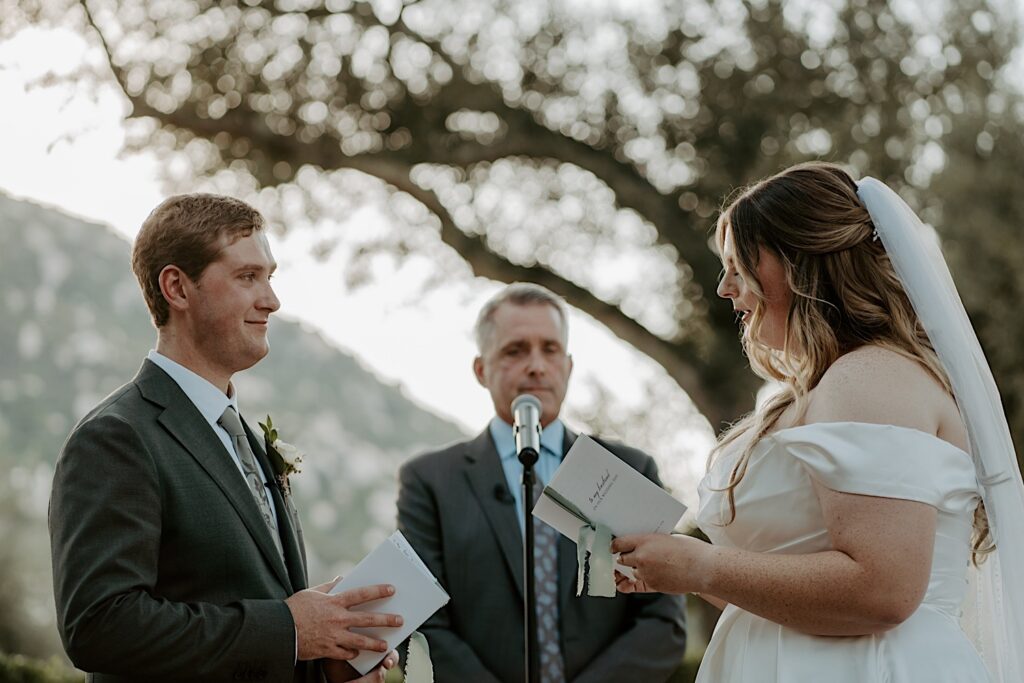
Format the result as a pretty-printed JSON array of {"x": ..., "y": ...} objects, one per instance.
[
  {"x": 594, "y": 562},
  {"x": 564, "y": 503}
]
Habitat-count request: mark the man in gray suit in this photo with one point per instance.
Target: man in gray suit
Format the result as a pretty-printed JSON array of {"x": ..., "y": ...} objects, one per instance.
[
  {"x": 461, "y": 508},
  {"x": 177, "y": 551}
]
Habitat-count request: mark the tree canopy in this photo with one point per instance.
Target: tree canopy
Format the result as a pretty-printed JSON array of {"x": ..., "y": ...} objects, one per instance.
[{"x": 588, "y": 146}]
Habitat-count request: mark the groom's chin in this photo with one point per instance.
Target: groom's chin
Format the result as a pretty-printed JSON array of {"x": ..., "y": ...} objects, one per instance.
[{"x": 256, "y": 351}]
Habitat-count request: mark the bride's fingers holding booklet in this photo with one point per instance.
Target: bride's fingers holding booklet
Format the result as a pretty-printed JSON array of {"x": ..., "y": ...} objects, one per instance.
[
  {"x": 624, "y": 584},
  {"x": 661, "y": 562}
]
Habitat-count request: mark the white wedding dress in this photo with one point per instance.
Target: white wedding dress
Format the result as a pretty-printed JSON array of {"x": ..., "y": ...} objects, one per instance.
[{"x": 778, "y": 512}]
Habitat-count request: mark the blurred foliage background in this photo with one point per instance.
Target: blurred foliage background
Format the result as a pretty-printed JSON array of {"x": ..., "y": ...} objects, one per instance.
[{"x": 584, "y": 145}]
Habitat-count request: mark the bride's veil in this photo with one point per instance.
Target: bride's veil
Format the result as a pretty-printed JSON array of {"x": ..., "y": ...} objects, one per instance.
[{"x": 993, "y": 611}]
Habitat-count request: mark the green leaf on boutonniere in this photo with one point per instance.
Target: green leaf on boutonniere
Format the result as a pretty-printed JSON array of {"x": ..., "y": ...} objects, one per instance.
[
  {"x": 269, "y": 437},
  {"x": 269, "y": 433},
  {"x": 284, "y": 458},
  {"x": 276, "y": 461}
]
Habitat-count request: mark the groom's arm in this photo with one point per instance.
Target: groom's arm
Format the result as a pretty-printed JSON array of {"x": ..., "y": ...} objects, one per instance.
[
  {"x": 452, "y": 658},
  {"x": 652, "y": 645},
  {"x": 105, "y": 528}
]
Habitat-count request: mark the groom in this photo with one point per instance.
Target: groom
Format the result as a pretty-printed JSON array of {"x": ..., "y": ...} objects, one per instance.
[{"x": 177, "y": 556}]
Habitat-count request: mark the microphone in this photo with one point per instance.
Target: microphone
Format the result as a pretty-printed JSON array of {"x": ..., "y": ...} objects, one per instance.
[{"x": 526, "y": 427}]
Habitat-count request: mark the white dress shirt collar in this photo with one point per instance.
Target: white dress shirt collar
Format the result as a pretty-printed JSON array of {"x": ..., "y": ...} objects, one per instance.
[{"x": 208, "y": 399}]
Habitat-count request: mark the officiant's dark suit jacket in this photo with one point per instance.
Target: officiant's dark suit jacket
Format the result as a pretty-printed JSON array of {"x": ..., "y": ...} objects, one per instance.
[
  {"x": 455, "y": 508},
  {"x": 163, "y": 568}
]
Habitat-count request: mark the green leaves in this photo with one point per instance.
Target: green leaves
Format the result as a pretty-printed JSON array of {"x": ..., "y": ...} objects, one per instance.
[{"x": 268, "y": 431}]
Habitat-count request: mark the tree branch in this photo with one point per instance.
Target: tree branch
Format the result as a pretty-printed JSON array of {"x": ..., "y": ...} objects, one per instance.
[
  {"x": 632, "y": 190},
  {"x": 680, "y": 358},
  {"x": 389, "y": 167}
]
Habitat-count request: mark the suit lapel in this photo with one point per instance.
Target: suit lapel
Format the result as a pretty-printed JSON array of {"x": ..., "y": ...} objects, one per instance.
[
  {"x": 287, "y": 523},
  {"x": 487, "y": 481},
  {"x": 187, "y": 426}
]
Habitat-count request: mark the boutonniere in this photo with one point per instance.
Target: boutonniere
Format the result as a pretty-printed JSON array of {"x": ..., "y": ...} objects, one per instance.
[{"x": 285, "y": 458}]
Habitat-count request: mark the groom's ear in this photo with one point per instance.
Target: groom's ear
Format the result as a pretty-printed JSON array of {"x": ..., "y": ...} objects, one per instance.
[{"x": 174, "y": 285}]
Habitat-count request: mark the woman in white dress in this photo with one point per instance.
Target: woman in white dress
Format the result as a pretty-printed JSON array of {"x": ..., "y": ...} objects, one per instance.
[{"x": 846, "y": 513}]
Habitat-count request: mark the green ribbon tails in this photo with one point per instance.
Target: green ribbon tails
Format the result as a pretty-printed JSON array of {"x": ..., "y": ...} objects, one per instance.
[
  {"x": 594, "y": 562},
  {"x": 594, "y": 565}
]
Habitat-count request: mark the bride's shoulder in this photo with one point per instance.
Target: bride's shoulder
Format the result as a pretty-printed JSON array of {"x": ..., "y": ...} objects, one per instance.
[{"x": 877, "y": 385}]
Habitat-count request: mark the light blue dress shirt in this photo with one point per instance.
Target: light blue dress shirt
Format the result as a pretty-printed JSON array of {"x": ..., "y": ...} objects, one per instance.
[{"x": 552, "y": 440}]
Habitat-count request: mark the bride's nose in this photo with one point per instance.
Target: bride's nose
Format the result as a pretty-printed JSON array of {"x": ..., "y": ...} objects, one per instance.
[{"x": 726, "y": 288}]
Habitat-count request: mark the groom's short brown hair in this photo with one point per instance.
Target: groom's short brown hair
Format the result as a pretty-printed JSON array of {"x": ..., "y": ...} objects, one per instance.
[{"x": 186, "y": 231}]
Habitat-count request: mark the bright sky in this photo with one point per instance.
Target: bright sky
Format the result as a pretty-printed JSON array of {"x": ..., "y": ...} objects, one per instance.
[{"x": 65, "y": 152}]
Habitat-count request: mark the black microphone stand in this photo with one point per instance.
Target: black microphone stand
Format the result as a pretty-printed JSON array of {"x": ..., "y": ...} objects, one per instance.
[{"x": 528, "y": 456}]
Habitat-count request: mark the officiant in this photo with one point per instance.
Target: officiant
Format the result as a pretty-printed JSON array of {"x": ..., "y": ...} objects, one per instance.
[{"x": 461, "y": 508}]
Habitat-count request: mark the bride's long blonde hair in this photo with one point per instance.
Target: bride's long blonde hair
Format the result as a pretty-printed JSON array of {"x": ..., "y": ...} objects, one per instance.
[{"x": 845, "y": 295}]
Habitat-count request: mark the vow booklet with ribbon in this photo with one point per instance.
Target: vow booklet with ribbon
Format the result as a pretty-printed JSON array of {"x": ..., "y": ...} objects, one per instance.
[
  {"x": 417, "y": 594},
  {"x": 594, "y": 496}
]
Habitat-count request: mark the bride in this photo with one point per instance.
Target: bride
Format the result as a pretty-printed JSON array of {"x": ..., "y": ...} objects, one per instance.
[{"x": 866, "y": 520}]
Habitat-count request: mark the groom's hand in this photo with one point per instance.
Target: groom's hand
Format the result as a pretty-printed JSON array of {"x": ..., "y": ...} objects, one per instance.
[{"x": 322, "y": 621}]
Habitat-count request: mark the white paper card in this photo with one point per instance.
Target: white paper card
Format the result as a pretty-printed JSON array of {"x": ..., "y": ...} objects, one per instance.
[
  {"x": 592, "y": 485},
  {"x": 417, "y": 594}
]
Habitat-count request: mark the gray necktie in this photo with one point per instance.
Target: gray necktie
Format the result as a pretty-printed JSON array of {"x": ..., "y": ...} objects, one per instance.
[
  {"x": 233, "y": 426},
  {"x": 545, "y": 573}
]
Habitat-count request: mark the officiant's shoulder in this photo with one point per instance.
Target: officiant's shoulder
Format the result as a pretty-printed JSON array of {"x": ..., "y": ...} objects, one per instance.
[
  {"x": 876, "y": 385},
  {"x": 631, "y": 456},
  {"x": 635, "y": 458},
  {"x": 439, "y": 459}
]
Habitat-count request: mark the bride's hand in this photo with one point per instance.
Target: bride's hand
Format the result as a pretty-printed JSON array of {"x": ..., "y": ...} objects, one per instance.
[{"x": 662, "y": 563}]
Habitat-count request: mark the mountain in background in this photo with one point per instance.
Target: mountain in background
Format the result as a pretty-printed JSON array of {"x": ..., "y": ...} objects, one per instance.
[{"x": 75, "y": 328}]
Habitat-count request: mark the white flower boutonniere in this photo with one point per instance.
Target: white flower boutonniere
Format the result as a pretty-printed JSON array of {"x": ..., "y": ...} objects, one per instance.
[{"x": 285, "y": 458}]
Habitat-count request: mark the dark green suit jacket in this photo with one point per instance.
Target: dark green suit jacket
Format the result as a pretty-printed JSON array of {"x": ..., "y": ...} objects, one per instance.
[
  {"x": 455, "y": 508},
  {"x": 163, "y": 568}
]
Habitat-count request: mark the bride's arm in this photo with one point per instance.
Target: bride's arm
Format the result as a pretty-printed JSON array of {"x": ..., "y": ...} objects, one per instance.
[
  {"x": 877, "y": 572},
  {"x": 625, "y": 585},
  {"x": 873, "y": 579},
  {"x": 712, "y": 600}
]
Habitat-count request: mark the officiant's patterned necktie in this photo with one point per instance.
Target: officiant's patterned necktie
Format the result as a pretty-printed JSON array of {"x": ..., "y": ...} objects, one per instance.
[
  {"x": 231, "y": 423},
  {"x": 545, "y": 573}
]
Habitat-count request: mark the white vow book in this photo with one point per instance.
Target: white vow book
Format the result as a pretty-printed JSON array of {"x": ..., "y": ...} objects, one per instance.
[
  {"x": 592, "y": 486},
  {"x": 417, "y": 594}
]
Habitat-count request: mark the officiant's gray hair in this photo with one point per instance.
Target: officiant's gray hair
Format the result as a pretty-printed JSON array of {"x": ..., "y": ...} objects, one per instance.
[{"x": 519, "y": 294}]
